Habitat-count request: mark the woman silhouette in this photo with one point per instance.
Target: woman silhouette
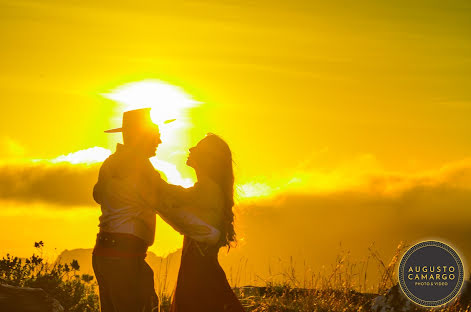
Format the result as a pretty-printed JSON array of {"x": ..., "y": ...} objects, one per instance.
[{"x": 202, "y": 284}]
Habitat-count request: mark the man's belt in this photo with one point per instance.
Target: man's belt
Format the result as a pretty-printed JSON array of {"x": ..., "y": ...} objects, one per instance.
[{"x": 119, "y": 245}]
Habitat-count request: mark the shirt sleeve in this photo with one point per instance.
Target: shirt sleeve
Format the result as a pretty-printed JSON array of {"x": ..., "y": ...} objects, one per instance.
[
  {"x": 190, "y": 225},
  {"x": 167, "y": 200},
  {"x": 99, "y": 188},
  {"x": 163, "y": 200}
]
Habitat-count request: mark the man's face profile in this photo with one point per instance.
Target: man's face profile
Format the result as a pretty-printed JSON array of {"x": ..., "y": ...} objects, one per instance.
[
  {"x": 150, "y": 141},
  {"x": 144, "y": 141},
  {"x": 154, "y": 142}
]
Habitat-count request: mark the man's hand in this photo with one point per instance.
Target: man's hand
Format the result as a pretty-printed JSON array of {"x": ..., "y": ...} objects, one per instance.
[
  {"x": 199, "y": 230},
  {"x": 188, "y": 224},
  {"x": 202, "y": 232}
]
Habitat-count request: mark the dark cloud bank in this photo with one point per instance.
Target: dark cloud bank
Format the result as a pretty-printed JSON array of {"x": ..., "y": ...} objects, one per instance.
[
  {"x": 60, "y": 184},
  {"x": 312, "y": 228}
]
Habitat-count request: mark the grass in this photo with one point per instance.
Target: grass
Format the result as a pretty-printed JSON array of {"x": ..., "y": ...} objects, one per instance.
[
  {"x": 76, "y": 293},
  {"x": 343, "y": 288}
]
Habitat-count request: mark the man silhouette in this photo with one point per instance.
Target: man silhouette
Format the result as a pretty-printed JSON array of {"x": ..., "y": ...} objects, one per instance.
[{"x": 127, "y": 227}]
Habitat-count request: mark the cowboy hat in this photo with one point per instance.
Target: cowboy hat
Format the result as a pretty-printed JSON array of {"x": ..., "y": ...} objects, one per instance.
[{"x": 137, "y": 119}]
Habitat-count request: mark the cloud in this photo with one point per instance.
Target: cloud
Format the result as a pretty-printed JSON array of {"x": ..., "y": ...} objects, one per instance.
[
  {"x": 10, "y": 147},
  {"x": 67, "y": 179},
  {"x": 88, "y": 156},
  {"x": 61, "y": 183},
  {"x": 363, "y": 174},
  {"x": 314, "y": 228}
]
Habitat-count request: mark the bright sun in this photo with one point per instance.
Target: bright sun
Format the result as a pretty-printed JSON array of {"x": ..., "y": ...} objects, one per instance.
[{"x": 167, "y": 101}]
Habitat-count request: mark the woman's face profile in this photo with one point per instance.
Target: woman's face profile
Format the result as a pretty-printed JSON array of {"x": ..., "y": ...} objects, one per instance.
[{"x": 199, "y": 154}]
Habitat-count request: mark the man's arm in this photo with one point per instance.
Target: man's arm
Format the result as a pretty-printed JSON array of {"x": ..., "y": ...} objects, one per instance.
[
  {"x": 188, "y": 224},
  {"x": 167, "y": 201},
  {"x": 98, "y": 189}
]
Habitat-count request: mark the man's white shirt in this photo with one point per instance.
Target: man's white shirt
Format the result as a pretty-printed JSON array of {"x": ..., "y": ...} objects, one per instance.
[{"x": 131, "y": 192}]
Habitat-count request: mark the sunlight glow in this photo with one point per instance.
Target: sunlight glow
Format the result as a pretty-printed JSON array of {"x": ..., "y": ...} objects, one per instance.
[
  {"x": 254, "y": 190},
  {"x": 87, "y": 156},
  {"x": 171, "y": 172},
  {"x": 167, "y": 101},
  {"x": 96, "y": 154}
]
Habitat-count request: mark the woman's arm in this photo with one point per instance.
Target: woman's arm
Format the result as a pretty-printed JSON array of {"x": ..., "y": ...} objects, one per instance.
[{"x": 169, "y": 202}]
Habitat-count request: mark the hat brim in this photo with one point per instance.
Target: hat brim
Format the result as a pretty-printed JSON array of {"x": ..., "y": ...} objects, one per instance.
[
  {"x": 114, "y": 130},
  {"x": 169, "y": 121}
]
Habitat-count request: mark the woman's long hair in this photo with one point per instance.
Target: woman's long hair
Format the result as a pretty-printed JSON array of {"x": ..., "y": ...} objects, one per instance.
[{"x": 221, "y": 171}]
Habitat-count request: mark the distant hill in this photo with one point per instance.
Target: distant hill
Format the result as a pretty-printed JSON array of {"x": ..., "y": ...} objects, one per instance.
[{"x": 165, "y": 268}]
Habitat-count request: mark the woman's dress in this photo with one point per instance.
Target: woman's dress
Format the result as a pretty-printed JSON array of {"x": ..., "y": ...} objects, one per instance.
[{"x": 202, "y": 285}]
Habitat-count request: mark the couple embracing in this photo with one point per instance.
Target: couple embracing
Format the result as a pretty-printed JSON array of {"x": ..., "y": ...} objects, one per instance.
[{"x": 131, "y": 192}]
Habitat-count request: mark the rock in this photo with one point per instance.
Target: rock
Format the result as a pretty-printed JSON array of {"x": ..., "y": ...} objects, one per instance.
[
  {"x": 392, "y": 301},
  {"x": 395, "y": 301},
  {"x": 24, "y": 299},
  {"x": 250, "y": 291},
  {"x": 464, "y": 298}
]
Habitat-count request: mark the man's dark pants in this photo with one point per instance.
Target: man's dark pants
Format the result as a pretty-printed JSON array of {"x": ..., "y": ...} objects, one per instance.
[{"x": 126, "y": 284}]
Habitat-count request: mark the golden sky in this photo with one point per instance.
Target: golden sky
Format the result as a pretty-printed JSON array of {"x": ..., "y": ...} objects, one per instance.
[{"x": 310, "y": 95}]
